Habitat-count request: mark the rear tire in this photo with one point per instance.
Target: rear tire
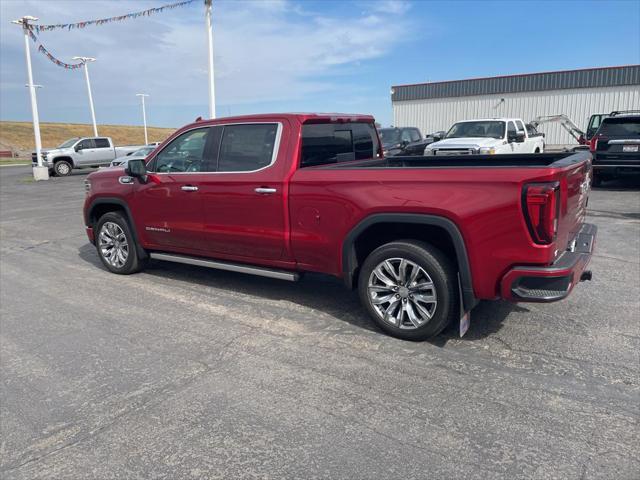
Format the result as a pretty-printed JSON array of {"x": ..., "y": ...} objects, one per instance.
[
  {"x": 116, "y": 244},
  {"x": 62, "y": 168},
  {"x": 422, "y": 297}
]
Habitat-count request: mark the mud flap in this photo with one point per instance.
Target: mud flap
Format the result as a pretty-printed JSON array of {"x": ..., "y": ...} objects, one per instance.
[{"x": 465, "y": 317}]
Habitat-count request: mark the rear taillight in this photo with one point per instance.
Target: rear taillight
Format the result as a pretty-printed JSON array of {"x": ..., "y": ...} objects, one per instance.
[
  {"x": 541, "y": 204},
  {"x": 593, "y": 144}
]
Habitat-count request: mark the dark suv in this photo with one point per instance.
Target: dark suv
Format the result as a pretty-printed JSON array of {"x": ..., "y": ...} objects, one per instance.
[
  {"x": 616, "y": 146},
  {"x": 405, "y": 141}
]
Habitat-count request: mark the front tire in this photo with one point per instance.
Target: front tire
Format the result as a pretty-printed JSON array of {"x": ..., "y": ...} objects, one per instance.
[
  {"x": 62, "y": 168},
  {"x": 410, "y": 289},
  {"x": 116, "y": 245}
]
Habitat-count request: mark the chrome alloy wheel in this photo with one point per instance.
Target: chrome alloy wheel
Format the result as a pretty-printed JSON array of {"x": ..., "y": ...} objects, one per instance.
[
  {"x": 63, "y": 169},
  {"x": 402, "y": 293},
  {"x": 113, "y": 244}
]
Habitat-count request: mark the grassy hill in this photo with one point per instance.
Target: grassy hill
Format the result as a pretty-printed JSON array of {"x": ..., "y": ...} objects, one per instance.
[{"x": 18, "y": 136}]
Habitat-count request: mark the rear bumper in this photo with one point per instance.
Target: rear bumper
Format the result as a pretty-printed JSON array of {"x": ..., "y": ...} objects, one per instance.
[{"x": 553, "y": 282}]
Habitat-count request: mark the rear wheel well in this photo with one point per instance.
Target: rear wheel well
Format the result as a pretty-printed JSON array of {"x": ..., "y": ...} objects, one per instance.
[{"x": 382, "y": 233}]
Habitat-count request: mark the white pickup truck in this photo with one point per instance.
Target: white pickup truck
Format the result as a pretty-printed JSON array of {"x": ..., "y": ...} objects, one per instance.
[
  {"x": 490, "y": 136},
  {"x": 84, "y": 152}
]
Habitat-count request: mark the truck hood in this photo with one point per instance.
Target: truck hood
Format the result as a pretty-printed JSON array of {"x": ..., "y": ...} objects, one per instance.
[
  {"x": 473, "y": 142},
  {"x": 58, "y": 151}
]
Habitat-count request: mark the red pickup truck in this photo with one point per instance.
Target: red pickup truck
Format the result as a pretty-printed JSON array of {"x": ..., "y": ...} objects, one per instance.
[{"x": 421, "y": 238}]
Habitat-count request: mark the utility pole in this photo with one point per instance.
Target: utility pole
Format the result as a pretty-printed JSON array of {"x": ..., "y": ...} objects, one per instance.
[
  {"x": 212, "y": 90},
  {"x": 40, "y": 171},
  {"x": 144, "y": 117},
  {"x": 85, "y": 61}
]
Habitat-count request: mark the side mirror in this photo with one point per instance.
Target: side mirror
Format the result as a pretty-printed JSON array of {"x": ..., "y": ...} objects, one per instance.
[
  {"x": 137, "y": 169},
  {"x": 520, "y": 137},
  {"x": 77, "y": 148}
]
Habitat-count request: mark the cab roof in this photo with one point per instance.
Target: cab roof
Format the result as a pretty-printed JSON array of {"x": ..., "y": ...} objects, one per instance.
[{"x": 300, "y": 117}]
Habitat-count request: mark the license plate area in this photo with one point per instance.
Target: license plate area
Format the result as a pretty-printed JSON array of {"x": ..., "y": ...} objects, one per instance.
[{"x": 630, "y": 148}]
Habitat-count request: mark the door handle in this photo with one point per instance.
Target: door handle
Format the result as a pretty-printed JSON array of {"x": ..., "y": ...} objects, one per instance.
[
  {"x": 265, "y": 190},
  {"x": 189, "y": 188}
]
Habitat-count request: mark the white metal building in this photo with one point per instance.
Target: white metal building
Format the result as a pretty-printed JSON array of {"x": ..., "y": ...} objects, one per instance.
[{"x": 575, "y": 93}]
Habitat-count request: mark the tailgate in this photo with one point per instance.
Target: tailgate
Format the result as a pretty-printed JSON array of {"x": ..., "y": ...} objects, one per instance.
[{"x": 575, "y": 184}]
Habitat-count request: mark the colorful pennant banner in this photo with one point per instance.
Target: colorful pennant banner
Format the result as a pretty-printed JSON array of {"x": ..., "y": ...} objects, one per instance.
[
  {"x": 102, "y": 21},
  {"x": 46, "y": 53}
]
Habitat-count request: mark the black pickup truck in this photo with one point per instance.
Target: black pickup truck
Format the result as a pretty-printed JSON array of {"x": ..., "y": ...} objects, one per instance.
[{"x": 616, "y": 147}]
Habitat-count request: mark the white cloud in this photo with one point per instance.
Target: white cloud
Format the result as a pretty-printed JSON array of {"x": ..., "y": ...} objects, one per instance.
[{"x": 265, "y": 51}]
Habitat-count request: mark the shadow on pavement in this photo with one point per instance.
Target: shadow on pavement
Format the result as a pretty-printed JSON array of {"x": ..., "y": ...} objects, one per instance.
[{"x": 315, "y": 291}]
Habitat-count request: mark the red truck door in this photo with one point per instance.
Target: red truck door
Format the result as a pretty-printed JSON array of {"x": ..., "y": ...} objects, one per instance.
[
  {"x": 168, "y": 209},
  {"x": 243, "y": 201}
]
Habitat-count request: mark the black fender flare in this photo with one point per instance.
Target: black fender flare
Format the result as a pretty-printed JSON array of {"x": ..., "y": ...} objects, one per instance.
[
  {"x": 142, "y": 254},
  {"x": 350, "y": 261}
]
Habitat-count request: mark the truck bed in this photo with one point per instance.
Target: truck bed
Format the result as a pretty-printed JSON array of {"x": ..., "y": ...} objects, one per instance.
[{"x": 536, "y": 160}]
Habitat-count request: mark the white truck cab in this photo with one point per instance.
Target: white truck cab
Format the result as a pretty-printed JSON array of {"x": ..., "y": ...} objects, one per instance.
[{"x": 491, "y": 136}]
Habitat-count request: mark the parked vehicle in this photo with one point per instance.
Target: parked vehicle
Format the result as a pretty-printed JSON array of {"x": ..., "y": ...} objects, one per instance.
[
  {"x": 85, "y": 152},
  {"x": 404, "y": 141},
  {"x": 616, "y": 147},
  {"x": 139, "y": 154},
  {"x": 487, "y": 137},
  {"x": 421, "y": 238}
]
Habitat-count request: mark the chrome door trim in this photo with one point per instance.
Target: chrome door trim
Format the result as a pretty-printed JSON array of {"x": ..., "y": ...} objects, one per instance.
[{"x": 274, "y": 155}]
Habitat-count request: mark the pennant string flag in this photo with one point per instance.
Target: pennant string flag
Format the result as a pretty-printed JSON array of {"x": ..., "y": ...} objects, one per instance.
[
  {"x": 102, "y": 21},
  {"x": 70, "y": 26},
  {"x": 46, "y": 53}
]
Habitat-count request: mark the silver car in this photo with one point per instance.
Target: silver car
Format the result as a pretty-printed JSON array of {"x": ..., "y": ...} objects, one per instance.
[{"x": 139, "y": 154}]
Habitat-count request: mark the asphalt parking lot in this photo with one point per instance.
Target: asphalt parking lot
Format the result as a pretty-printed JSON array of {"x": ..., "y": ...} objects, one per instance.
[{"x": 184, "y": 372}]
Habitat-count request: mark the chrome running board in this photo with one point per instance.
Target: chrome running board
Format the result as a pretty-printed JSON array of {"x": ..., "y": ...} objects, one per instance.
[{"x": 231, "y": 267}]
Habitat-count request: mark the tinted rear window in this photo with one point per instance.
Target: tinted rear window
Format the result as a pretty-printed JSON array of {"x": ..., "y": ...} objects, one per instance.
[
  {"x": 326, "y": 143},
  {"x": 620, "y": 127},
  {"x": 102, "y": 143}
]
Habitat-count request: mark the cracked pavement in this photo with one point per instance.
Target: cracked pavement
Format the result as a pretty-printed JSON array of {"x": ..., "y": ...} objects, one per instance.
[{"x": 185, "y": 372}]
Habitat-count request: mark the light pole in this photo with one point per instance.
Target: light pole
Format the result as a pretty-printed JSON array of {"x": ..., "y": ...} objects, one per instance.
[
  {"x": 85, "y": 61},
  {"x": 144, "y": 117},
  {"x": 40, "y": 171},
  {"x": 212, "y": 90}
]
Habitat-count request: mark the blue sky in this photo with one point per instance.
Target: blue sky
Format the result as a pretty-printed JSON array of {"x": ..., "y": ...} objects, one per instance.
[{"x": 287, "y": 55}]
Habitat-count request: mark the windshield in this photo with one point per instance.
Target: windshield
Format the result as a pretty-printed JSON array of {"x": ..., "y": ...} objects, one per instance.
[
  {"x": 68, "y": 143},
  {"x": 143, "y": 152},
  {"x": 390, "y": 135},
  {"x": 488, "y": 129}
]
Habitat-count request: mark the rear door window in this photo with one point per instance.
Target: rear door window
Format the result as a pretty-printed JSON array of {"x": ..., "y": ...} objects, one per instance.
[
  {"x": 102, "y": 143},
  {"x": 520, "y": 126},
  {"x": 415, "y": 135},
  {"x": 327, "y": 143},
  {"x": 247, "y": 148}
]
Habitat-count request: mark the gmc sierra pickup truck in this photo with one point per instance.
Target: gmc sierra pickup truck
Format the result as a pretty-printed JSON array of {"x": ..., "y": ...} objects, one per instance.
[{"x": 421, "y": 238}]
